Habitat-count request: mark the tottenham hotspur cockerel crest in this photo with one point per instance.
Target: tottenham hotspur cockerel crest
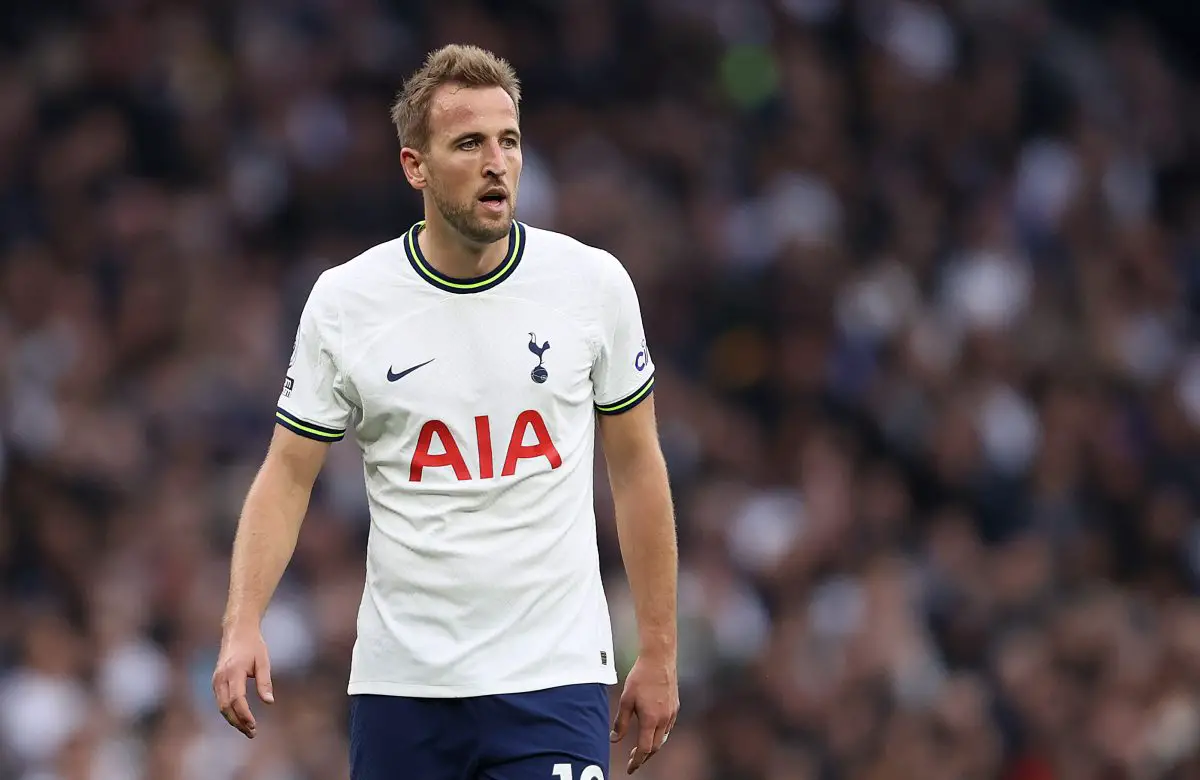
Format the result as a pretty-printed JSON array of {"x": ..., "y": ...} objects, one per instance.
[{"x": 539, "y": 373}]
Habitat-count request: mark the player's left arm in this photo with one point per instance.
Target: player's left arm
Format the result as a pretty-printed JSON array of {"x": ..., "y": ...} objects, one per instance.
[{"x": 645, "y": 520}]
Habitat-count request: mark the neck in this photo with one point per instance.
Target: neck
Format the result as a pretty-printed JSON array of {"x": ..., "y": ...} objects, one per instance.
[{"x": 453, "y": 255}]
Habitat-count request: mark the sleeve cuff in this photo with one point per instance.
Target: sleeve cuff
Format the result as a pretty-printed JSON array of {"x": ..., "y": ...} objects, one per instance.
[
  {"x": 306, "y": 429},
  {"x": 629, "y": 401}
]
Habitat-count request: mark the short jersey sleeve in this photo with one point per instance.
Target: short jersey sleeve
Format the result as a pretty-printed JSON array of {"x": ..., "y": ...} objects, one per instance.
[
  {"x": 623, "y": 373},
  {"x": 313, "y": 402}
]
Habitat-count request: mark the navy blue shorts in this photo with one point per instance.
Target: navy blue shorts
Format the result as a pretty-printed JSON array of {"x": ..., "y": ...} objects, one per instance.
[{"x": 553, "y": 734}]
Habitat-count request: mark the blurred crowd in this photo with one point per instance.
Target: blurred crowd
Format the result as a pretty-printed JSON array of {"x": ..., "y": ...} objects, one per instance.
[{"x": 921, "y": 278}]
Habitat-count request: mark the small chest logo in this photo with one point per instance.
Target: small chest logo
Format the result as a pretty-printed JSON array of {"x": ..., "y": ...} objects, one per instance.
[
  {"x": 539, "y": 373},
  {"x": 392, "y": 376}
]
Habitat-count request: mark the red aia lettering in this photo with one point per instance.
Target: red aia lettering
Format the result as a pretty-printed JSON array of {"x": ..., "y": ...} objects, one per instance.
[
  {"x": 451, "y": 455},
  {"x": 483, "y": 435},
  {"x": 518, "y": 450}
]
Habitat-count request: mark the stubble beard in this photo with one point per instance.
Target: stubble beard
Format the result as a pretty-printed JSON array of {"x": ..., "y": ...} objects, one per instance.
[{"x": 461, "y": 216}]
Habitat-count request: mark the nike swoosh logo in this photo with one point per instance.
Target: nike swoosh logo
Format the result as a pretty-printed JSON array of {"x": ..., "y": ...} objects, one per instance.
[{"x": 395, "y": 377}]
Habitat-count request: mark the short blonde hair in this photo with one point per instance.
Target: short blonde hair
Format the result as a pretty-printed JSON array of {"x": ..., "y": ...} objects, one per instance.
[{"x": 464, "y": 65}]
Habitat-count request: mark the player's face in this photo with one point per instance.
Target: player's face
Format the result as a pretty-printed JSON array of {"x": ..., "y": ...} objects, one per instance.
[{"x": 473, "y": 166}]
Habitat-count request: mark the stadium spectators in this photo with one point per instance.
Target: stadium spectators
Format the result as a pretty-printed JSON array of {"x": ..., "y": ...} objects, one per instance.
[{"x": 921, "y": 279}]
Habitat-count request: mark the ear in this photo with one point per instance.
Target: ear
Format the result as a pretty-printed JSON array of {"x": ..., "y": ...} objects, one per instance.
[{"x": 413, "y": 163}]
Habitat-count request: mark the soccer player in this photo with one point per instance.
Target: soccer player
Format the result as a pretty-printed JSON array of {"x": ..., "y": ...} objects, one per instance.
[{"x": 474, "y": 357}]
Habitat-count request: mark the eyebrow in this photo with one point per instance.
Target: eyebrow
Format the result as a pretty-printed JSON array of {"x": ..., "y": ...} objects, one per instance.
[{"x": 475, "y": 135}]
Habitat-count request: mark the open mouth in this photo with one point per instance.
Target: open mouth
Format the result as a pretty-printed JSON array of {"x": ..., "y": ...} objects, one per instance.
[{"x": 494, "y": 200}]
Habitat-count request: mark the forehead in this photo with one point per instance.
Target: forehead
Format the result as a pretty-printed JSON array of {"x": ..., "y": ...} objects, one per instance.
[{"x": 456, "y": 109}]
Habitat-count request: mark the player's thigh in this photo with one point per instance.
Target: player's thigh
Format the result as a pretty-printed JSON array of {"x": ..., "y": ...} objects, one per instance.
[
  {"x": 554, "y": 734},
  {"x": 397, "y": 738}
]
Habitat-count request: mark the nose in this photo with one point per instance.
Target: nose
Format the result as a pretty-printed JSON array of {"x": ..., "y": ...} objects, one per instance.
[{"x": 494, "y": 164}]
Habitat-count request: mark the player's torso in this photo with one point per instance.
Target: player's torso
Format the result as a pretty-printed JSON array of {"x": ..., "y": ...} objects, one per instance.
[
  {"x": 463, "y": 394},
  {"x": 475, "y": 415},
  {"x": 471, "y": 367}
]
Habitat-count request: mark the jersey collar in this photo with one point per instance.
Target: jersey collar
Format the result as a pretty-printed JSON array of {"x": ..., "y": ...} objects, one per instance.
[{"x": 516, "y": 248}]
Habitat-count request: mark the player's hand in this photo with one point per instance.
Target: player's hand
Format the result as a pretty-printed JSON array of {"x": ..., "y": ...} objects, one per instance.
[
  {"x": 243, "y": 655},
  {"x": 652, "y": 694}
]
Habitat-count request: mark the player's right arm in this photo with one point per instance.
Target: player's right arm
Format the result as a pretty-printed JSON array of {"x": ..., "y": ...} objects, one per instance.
[
  {"x": 266, "y": 538},
  {"x": 314, "y": 410}
]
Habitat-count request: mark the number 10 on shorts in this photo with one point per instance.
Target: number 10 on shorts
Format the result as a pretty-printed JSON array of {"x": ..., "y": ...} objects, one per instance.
[{"x": 563, "y": 772}]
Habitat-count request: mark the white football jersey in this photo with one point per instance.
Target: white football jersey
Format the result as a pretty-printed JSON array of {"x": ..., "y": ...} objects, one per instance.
[{"x": 473, "y": 402}]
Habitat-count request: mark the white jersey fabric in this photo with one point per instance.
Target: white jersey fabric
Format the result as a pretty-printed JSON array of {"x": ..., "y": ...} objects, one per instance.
[{"x": 474, "y": 405}]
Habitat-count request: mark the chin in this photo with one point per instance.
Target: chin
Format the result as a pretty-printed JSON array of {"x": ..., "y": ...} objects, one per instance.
[
  {"x": 498, "y": 224},
  {"x": 489, "y": 229}
]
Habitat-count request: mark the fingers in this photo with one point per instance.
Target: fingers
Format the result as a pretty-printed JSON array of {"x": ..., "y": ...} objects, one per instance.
[
  {"x": 242, "y": 656},
  {"x": 624, "y": 713},
  {"x": 229, "y": 686},
  {"x": 646, "y": 742},
  {"x": 262, "y": 679},
  {"x": 244, "y": 722},
  {"x": 652, "y": 735},
  {"x": 221, "y": 692},
  {"x": 667, "y": 731},
  {"x": 660, "y": 735},
  {"x": 239, "y": 706}
]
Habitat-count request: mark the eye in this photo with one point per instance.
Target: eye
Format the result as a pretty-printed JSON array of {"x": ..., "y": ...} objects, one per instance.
[
  {"x": 509, "y": 143},
  {"x": 468, "y": 145}
]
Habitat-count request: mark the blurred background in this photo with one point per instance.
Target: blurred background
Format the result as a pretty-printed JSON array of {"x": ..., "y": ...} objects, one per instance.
[{"x": 921, "y": 278}]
